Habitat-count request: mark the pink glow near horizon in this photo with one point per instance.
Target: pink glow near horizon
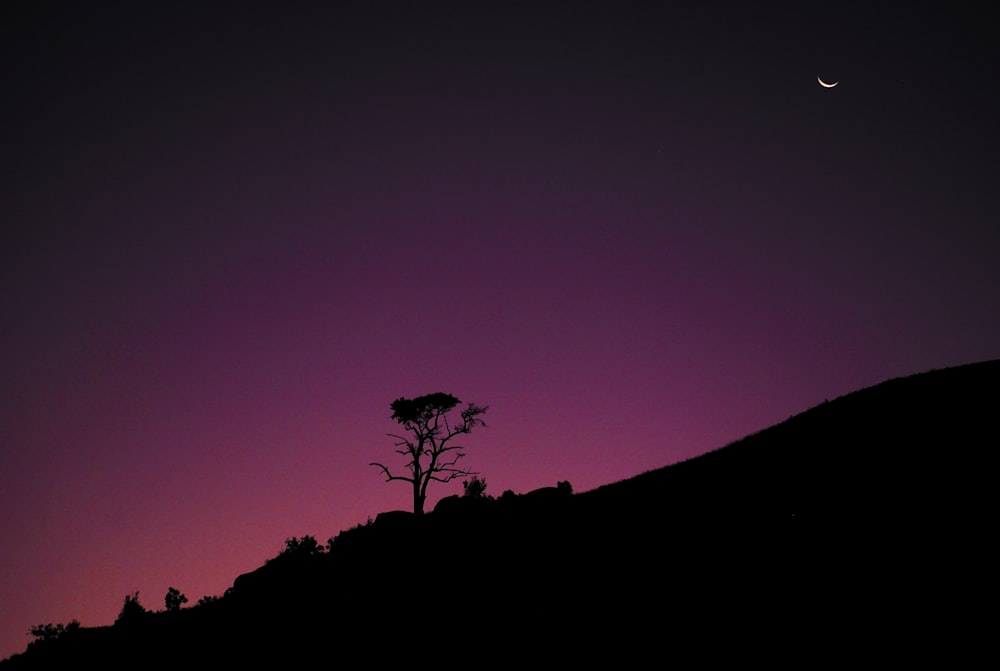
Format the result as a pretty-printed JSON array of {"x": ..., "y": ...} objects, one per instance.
[{"x": 222, "y": 276}]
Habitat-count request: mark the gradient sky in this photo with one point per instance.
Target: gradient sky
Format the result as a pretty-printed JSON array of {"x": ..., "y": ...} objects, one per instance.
[{"x": 232, "y": 236}]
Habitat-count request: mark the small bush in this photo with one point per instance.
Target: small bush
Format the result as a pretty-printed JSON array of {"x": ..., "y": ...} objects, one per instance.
[
  {"x": 475, "y": 488},
  {"x": 174, "y": 599},
  {"x": 302, "y": 547},
  {"x": 131, "y": 609},
  {"x": 50, "y": 632}
]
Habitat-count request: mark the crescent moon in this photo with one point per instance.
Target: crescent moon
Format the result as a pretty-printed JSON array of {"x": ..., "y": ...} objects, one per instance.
[{"x": 824, "y": 84}]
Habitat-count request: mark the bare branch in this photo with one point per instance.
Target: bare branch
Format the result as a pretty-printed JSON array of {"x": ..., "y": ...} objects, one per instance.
[{"x": 389, "y": 476}]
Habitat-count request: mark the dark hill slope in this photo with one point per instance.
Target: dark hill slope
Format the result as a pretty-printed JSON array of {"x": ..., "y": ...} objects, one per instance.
[
  {"x": 879, "y": 504},
  {"x": 860, "y": 526},
  {"x": 906, "y": 452}
]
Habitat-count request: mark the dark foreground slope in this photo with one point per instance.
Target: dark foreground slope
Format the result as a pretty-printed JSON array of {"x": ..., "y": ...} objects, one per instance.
[{"x": 859, "y": 529}]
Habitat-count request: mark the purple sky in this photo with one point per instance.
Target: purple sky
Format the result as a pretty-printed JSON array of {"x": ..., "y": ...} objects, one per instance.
[{"x": 232, "y": 236}]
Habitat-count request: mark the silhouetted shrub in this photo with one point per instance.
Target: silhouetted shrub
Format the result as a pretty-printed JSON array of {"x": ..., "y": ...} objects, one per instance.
[
  {"x": 564, "y": 487},
  {"x": 131, "y": 609},
  {"x": 206, "y": 600},
  {"x": 301, "y": 547},
  {"x": 50, "y": 632},
  {"x": 475, "y": 488},
  {"x": 174, "y": 599}
]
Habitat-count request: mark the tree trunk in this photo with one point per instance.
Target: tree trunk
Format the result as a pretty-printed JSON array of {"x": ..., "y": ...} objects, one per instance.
[{"x": 418, "y": 499}]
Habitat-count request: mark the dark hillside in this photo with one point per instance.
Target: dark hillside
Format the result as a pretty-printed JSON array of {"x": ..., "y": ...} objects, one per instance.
[
  {"x": 908, "y": 450},
  {"x": 871, "y": 513},
  {"x": 860, "y": 526}
]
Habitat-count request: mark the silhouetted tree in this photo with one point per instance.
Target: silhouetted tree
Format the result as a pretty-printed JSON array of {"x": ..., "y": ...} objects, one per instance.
[
  {"x": 131, "y": 609},
  {"x": 174, "y": 599},
  {"x": 428, "y": 446}
]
